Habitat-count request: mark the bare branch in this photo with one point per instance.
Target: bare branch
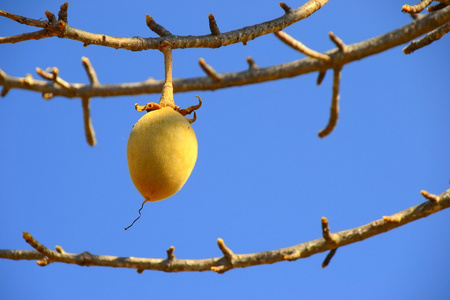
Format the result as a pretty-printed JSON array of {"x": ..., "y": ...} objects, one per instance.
[
  {"x": 222, "y": 264},
  {"x": 427, "y": 39},
  {"x": 242, "y": 35},
  {"x": 354, "y": 52},
  {"x": 334, "y": 110},
  {"x": 85, "y": 102},
  {"x": 429, "y": 196},
  {"x": 209, "y": 70},
  {"x": 297, "y": 45}
]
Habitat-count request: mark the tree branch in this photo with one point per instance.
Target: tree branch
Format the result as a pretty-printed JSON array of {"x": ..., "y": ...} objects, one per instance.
[
  {"x": 427, "y": 39},
  {"x": 230, "y": 260},
  {"x": 242, "y": 35},
  {"x": 353, "y": 52}
]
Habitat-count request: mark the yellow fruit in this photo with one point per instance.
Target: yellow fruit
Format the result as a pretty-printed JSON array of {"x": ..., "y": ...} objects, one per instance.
[{"x": 161, "y": 153}]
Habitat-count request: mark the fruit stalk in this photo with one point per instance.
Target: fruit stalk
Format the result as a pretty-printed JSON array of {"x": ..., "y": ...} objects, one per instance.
[{"x": 167, "y": 90}]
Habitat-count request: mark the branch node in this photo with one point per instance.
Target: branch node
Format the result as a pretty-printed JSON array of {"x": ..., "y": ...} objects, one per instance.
[
  {"x": 170, "y": 254},
  {"x": 60, "y": 250},
  {"x": 287, "y": 9},
  {"x": 321, "y": 76},
  {"x": 392, "y": 219},
  {"x": 43, "y": 262},
  {"x": 328, "y": 258},
  {"x": 156, "y": 28},
  {"x": 220, "y": 269},
  {"x": 209, "y": 70},
  {"x": 48, "y": 96},
  {"x": 225, "y": 250},
  {"x": 251, "y": 64},
  {"x": 4, "y": 91},
  {"x": 292, "y": 256},
  {"x": 431, "y": 197},
  {"x": 327, "y": 235},
  {"x": 213, "y": 25},
  {"x": 28, "y": 80}
]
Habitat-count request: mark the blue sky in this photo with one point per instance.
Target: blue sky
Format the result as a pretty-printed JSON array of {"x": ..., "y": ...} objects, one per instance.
[{"x": 263, "y": 178}]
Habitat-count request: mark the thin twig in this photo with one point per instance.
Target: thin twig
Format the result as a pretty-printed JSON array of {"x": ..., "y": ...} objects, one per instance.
[
  {"x": 297, "y": 45},
  {"x": 432, "y": 197},
  {"x": 338, "y": 42},
  {"x": 156, "y": 28},
  {"x": 326, "y": 231},
  {"x": 251, "y": 63},
  {"x": 328, "y": 258},
  {"x": 213, "y": 25},
  {"x": 414, "y": 9},
  {"x": 209, "y": 70},
  {"x": 334, "y": 110},
  {"x": 320, "y": 77},
  {"x": 55, "y": 78},
  {"x": 427, "y": 39},
  {"x": 85, "y": 102},
  {"x": 87, "y": 121},
  {"x": 287, "y": 9},
  {"x": 299, "y": 251},
  {"x": 170, "y": 254},
  {"x": 23, "y": 20},
  {"x": 90, "y": 71}
]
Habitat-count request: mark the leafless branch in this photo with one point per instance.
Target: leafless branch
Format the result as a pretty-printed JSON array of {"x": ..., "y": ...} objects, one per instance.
[
  {"x": 230, "y": 260},
  {"x": 85, "y": 102},
  {"x": 209, "y": 70},
  {"x": 353, "y": 52},
  {"x": 243, "y": 35},
  {"x": 334, "y": 110},
  {"x": 427, "y": 39},
  {"x": 297, "y": 45}
]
